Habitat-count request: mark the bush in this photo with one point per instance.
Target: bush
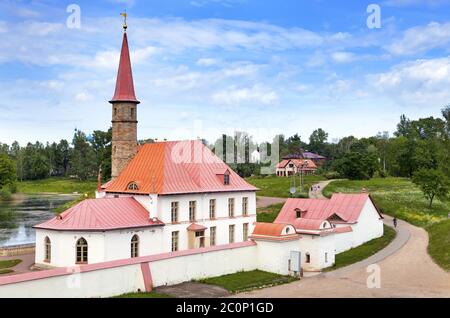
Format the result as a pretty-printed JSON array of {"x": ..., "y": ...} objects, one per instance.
[
  {"x": 332, "y": 175},
  {"x": 5, "y": 194},
  {"x": 382, "y": 174}
]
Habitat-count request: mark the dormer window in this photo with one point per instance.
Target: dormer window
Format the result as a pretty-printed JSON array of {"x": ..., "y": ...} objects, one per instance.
[
  {"x": 226, "y": 179},
  {"x": 133, "y": 186},
  {"x": 298, "y": 213}
]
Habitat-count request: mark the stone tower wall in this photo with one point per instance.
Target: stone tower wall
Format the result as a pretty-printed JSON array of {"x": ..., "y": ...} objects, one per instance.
[{"x": 124, "y": 135}]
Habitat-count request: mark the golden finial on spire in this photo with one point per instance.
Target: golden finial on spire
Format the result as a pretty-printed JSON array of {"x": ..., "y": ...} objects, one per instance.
[{"x": 124, "y": 15}]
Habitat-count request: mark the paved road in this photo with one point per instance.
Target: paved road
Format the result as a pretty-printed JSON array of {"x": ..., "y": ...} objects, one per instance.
[
  {"x": 316, "y": 192},
  {"x": 22, "y": 267}
]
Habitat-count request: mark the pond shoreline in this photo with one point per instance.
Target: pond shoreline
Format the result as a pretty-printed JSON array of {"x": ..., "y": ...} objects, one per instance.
[{"x": 18, "y": 216}]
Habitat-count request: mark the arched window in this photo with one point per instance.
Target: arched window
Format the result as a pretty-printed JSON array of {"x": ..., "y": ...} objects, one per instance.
[
  {"x": 133, "y": 186},
  {"x": 48, "y": 250},
  {"x": 308, "y": 258},
  {"x": 82, "y": 251},
  {"x": 135, "y": 246},
  {"x": 115, "y": 111}
]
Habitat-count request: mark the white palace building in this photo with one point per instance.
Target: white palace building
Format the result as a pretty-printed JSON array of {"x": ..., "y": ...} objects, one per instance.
[{"x": 173, "y": 212}]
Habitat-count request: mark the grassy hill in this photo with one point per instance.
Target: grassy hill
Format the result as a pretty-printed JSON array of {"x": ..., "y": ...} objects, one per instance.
[{"x": 272, "y": 186}]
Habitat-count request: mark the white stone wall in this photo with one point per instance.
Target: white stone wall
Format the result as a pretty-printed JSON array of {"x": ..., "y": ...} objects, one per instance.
[
  {"x": 181, "y": 269},
  {"x": 112, "y": 280},
  {"x": 101, "y": 283},
  {"x": 343, "y": 242},
  {"x": 273, "y": 256},
  {"x": 317, "y": 247},
  {"x": 369, "y": 225}
]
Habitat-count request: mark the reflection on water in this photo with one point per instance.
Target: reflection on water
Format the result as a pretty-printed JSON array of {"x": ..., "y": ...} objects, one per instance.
[{"x": 18, "y": 217}]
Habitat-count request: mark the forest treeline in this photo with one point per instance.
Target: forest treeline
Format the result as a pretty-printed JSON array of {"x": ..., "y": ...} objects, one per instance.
[{"x": 418, "y": 149}]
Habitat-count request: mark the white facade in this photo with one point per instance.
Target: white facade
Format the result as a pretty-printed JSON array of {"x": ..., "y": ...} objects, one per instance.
[
  {"x": 116, "y": 244},
  {"x": 369, "y": 225},
  {"x": 321, "y": 251}
]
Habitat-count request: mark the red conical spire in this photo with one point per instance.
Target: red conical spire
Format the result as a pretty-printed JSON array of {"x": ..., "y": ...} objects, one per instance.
[{"x": 124, "y": 84}]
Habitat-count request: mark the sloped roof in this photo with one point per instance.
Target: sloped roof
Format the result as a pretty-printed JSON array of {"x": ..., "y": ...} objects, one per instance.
[
  {"x": 273, "y": 231},
  {"x": 196, "y": 227},
  {"x": 177, "y": 167},
  {"x": 102, "y": 214},
  {"x": 298, "y": 163},
  {"x": 312, "y": 155},
  {"x": 347, "y": 206},
  {"x": 124, "y": 84}
]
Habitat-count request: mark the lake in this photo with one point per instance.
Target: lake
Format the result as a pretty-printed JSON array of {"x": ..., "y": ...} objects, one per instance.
[{"x": 17, "y": 217}]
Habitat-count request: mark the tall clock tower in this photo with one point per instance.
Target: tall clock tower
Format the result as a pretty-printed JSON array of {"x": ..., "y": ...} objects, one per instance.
[{"x": 124, "y": 113}]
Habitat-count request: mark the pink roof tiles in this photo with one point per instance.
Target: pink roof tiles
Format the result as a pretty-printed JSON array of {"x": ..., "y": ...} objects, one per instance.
[
  {"x": 347, "y": 207},
  {"x": 194, "y": 227},
  {"x": 299, "y": 163},
  {"x": 177, "y": 167},
  {"x": 273, "y": 231},
  {"x": 124, "y": 84},
  {"x": 101, "y": 215}
]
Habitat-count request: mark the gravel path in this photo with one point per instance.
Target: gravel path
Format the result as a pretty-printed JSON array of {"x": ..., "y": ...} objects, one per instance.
[
  {"x": 262, "y": 202},
  {"x": 316, "y": 192}
]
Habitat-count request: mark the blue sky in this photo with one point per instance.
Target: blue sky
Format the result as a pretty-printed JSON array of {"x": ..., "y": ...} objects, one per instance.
[{"x": 205, "y": 67}]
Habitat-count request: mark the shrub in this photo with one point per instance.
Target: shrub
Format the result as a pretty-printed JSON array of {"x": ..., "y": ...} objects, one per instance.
[
  {"x": 332, "y": 175},
  {"x": 5, "y": 194}
]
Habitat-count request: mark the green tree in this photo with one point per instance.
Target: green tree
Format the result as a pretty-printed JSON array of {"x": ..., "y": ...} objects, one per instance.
[
  {"x": 318, "y": 141},
  {"x": 83, "y": 157},
  {"x": 433, "y": 183},
  {"x": 7, "y": 174},
  {"x": 101, "y": 143}
]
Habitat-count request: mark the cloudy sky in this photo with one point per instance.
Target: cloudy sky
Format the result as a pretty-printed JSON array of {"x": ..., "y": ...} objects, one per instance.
[{"x": 204, "y": 67}]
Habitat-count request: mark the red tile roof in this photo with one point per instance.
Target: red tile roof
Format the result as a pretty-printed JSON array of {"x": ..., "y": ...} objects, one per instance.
[
  {"x": 308, "y": 224},
  {"x": 346, "y": 206},
  {"x": 273, "y": 231},
  {"x": 100, "y": 215},
  {"x": 124, "y": 84},
  {"x": 177, "y": 167},
  {"x": 310, "y": 165},
  {"x": 196, "y": 227}
]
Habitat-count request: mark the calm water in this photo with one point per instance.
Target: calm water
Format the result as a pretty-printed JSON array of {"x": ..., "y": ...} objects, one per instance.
[{"x": 18, "y": 217}]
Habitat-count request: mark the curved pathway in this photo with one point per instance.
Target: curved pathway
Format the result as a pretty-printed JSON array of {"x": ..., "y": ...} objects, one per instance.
[{"x": 406, "y": 270}]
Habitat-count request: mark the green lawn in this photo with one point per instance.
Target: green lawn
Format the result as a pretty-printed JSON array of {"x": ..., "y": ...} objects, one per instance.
[
  {"x": 363, "y": 251},
  {"x": 144, "y": 295},
  {"x": 60, "y": 185},
  {"x": 57, "y": 185},
  {"x": 396, "y": 197},
  {"x": 9, "y": 263},
  {"x": 401, "y": 198},
  {"x": 244, "y": 281},
  {"x": 272, "y": 186},
  {"x": 269, "y": 214},
  {"x": 5, "y": 271},
  {"x": 439, "y": 245}
]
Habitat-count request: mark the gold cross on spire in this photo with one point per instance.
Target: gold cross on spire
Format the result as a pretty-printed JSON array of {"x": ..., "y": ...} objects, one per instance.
[{"x": 124, "y": 15}]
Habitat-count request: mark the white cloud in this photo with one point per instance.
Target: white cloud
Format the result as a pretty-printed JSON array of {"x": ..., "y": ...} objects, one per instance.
[
  {"x": 407, "y": 3},
  {"x": 207, "y": 62},
  {"x": 83, "y": 97},
  {"x": 249, "y": 95},
  {"x": 343, "y": 57},
  {"x": 421, "y": 82},
  {"x": 421, "y": 38}
]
